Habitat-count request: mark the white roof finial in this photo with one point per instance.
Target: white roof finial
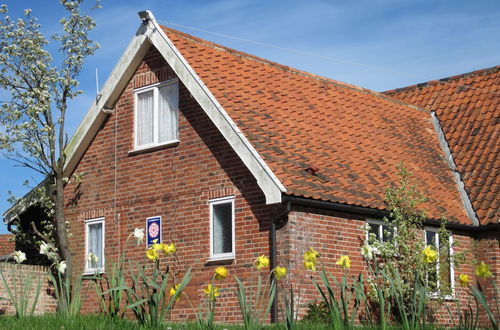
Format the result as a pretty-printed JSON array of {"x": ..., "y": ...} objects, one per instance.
[{"x": 146, "y": 16}]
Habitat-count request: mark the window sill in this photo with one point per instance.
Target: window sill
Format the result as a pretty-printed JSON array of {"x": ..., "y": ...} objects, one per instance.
[
  {"x": 220, "y": 260},
  {"x": 90, "y": 272},
  {"x": 437, "y": 296},
  {"x": 140, "y": 150}
]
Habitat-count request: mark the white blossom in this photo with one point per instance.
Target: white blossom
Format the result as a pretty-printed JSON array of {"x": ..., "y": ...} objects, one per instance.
[
  {"x": 139, "y": 235},
  {"x": 61, "y": 267},
  {"x": 19, "y": 256},
  {"x": 367, "y": 251},
  {"x": 45, "y": 248}
]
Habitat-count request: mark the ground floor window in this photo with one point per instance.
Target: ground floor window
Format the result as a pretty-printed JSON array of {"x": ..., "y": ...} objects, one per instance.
[
  {"x": 379, "y": 230},
  {"x": 222, "y": 240},
  {"x": 441, "y": 275},
  {"x": 94, "y": 245}
]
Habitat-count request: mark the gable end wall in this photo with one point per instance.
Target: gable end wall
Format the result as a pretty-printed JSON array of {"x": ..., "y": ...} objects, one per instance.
[{"x": 175, "y": 183}]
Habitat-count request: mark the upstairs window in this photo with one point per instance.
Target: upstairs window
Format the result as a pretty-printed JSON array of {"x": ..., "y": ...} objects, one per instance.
[
  {"x": 156, "y": 114},
  {"x": 94, "y": 245},
  {"x": 222, "y": 244}
]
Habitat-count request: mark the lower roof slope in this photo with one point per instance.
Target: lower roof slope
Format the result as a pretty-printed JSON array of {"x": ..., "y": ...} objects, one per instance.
[
  {"x": 355, "y": 136},
  {"x": 468, "y": 107}
]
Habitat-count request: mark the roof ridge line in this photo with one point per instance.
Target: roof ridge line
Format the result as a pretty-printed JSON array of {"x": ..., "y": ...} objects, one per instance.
[
  {"x": 291, "y": 69},
  {"x": 449, "y": 79}
]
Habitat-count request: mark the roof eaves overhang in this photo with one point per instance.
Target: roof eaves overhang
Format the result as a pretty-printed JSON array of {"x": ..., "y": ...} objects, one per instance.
[
  {"x": 28, "y": 200},
  {"x": 380, "y": 213}
]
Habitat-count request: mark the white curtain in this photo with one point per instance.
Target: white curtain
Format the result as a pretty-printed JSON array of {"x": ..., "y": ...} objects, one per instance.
[
  {"x": 167, "y": 112},
  {"x": 222, "y": 228},
  {"x": 145, "y": 118},
  {"x": 95, "y": 243}
]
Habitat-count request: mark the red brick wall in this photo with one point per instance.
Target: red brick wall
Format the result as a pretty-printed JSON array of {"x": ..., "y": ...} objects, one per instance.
[
  {"x": 12, "y": 272},
  {"x": 334, "y": 234},
  {"x": 6, "y": 246},
  {"x": 175, "y": 183},
  {"x": 487, "y": 249}
]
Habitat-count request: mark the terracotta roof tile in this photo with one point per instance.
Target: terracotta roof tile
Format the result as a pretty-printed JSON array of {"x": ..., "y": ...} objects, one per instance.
[
  {"x": 468, "y": 107},
  {"x": 357, "y": 137}
]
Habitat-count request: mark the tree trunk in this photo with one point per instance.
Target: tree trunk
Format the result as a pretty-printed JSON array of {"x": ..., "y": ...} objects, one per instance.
[{"x": 62, "y": 240}]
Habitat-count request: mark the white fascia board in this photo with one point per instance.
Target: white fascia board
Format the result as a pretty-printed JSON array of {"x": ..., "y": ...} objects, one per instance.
[
  {"x": 110, "y": 93},
  {"x": 266, "y": 179}
]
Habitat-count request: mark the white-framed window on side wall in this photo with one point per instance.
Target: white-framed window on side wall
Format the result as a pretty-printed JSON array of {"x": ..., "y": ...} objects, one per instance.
[
  {"x": 222, "y": 231},
  {"x": 156, "y": 115},
  {"x": 94, "y": 245},
  {"x": 380, "y": 230},
  {"x": 441, "y": 275}
]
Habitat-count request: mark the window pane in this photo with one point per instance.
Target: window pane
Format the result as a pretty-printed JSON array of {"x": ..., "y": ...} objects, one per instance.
[
  {"x": 145, "y": 118},
  {"x": 167, "y": 112},
  {"x": 373, "y": 230},
  {"x": 95, "y": 243},
  {"x": 222, "y": 228},
  {"x": 430, "y": 238},
  {"x": 387, "y": 234}
]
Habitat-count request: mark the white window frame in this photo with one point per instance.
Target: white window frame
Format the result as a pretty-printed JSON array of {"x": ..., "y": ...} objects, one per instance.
[
  {"x": 452, "y": 269},
  {"x": 88, "y": 269},
  {"x": 380, "y": 234},
  {"x": 154, "y": 88},
  {"x": 232, "y": 254}
]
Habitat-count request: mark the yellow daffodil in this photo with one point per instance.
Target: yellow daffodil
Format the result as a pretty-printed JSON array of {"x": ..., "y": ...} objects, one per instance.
[
  {"x": 212, "y": 292},
  {"x": 221, "y": 273},
  {"x": 93, "y": 259},
  {"x": 310, "y": 265},
  {"x": 261, "y": 262},
  {"x": 152, "y": 254},
  {"x": 311, "y": 255},
  {"x": 279, "y": 272},
  {"x": 169, "y": 248},
  {"x": 157, "y": 247},
  {"x": 429, "y": 254},
  {"x": 344, "y": 262},
  {"x": 310, "y": 258},
  {"x": 483, "y": 270},
  {"x": 173, "y": 290},
  {"x": 464, "y": 279}
]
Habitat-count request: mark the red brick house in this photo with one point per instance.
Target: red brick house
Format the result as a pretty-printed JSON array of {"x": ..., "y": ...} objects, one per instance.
[{"x": 240, "y": 157}]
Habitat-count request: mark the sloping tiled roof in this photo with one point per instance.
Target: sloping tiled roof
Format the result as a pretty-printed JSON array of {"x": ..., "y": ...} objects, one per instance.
[
  {"x": 355, "y": 136},
  {"x": 468, "y": 108}
]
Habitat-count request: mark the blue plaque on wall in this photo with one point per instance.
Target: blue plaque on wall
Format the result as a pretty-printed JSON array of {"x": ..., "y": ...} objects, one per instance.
[{"x": 153, "y": 228}]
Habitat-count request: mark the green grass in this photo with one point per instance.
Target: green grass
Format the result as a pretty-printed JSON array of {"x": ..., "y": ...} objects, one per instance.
[{"x": 91, "y": 322}]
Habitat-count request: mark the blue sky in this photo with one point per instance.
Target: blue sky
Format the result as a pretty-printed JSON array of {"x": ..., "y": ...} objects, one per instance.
[{"x": 421, "y": 40}]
